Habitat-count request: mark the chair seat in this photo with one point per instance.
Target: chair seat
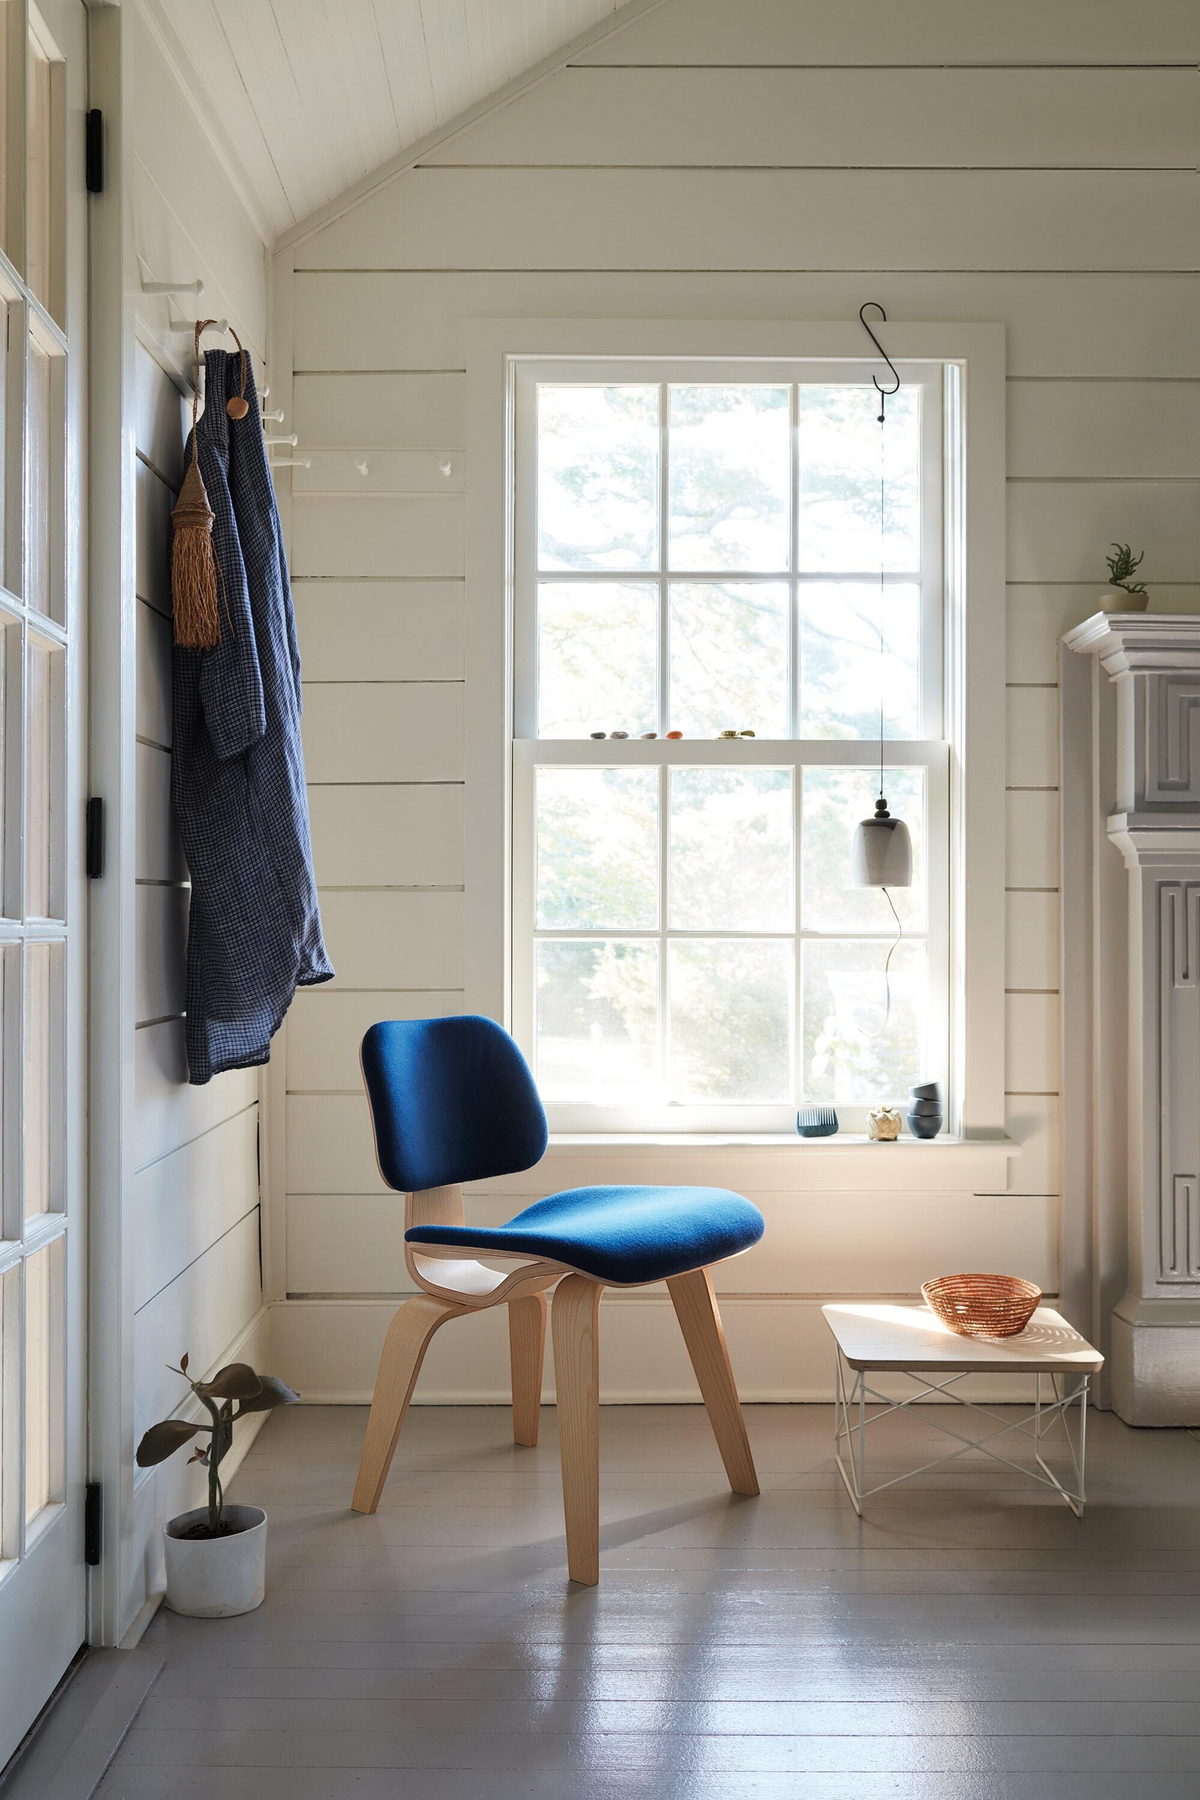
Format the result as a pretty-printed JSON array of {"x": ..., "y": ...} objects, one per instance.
[{"x": 619, "y": 1234}]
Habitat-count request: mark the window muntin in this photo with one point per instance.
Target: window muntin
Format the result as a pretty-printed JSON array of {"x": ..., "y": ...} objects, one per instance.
[{"x": 701, "y": 552}]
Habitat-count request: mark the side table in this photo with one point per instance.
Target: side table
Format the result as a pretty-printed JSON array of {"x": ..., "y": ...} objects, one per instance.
[{"x": 913, "y": 1341}]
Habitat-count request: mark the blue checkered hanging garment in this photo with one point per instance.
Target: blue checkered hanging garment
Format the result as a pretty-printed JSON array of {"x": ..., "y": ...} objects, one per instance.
[{"x": 237, "y": 779}]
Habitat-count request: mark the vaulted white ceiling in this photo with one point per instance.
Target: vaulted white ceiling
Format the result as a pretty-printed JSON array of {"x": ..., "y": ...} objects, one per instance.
[{"x": 311, "y": 95}]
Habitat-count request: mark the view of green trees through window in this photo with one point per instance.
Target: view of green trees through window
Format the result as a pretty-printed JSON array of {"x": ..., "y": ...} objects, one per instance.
[{"x": 708, "y": 558}]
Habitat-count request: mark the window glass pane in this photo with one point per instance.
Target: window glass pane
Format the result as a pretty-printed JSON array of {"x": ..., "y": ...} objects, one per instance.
[
  {"x": 597, "y": 1021},
  {"x": 729, "y": 657},
  {"x": 38, "y": 224},
  {"x": 40, "y": 722},
  {"x": 731, "y": 850},
  {"x": 857, "y": 1049},
  {"x": 597, "y": 477},
  {"x": 39, "y": 498},
  {"x": 41, "y": 1093},
  {"x": 843, "y": 677},
  {"x": 730, "y": 1010},
  {"x": 841, "y": 444},
  {"x": 597, "y": 657},
  {"x": 597, "y": 849},
  {"x": 43, "y": 1377},
  {"x": 729, "y": 477},
  {"x": 834, "y": 801}
]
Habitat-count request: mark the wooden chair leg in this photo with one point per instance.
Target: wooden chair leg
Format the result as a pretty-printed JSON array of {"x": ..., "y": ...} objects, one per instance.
[
  {"x": 699, "y": 1320},
  {"x": 527, "y": 1349},
  {"x": 399, "y": 1365},
  {"x": 577, "y": 1384}
]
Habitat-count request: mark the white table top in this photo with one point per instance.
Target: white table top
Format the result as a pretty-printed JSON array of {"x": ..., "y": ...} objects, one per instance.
[{"x": 898, "y": 1336}]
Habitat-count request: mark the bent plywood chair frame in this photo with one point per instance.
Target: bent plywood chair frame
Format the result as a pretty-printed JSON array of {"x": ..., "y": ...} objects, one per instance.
[{"x": 455, "y": 1283}]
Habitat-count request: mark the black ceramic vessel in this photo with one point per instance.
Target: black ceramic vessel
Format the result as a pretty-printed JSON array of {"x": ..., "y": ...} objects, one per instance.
[{"x": 925, "y": 1113}]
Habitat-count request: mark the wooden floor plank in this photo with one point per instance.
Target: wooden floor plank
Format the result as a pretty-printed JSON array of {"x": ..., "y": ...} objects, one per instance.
[{"x": 969, "y": 1638}]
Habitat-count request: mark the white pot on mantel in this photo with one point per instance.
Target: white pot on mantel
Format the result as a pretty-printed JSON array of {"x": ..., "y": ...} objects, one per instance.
[{"x": 1120, "y": 600}]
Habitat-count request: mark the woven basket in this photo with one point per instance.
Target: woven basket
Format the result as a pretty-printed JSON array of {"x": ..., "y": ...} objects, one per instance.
[{"x": 994, "y": 1306}]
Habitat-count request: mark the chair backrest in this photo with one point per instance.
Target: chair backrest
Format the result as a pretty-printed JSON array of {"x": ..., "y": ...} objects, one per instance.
[{"x": 451, "y": 1100}]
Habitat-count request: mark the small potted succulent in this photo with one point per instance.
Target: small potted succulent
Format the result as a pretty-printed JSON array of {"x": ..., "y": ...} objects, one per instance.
[
  {"x": 1122, "y": 594},
  {"x": 215, "y": 1554}
]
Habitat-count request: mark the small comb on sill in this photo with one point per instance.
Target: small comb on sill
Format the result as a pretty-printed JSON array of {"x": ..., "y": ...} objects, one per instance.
[{"x": 816, "y": 1121}]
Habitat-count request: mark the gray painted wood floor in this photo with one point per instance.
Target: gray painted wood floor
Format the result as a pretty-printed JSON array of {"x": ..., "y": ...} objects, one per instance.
[{"x": 971, "y": 1639}]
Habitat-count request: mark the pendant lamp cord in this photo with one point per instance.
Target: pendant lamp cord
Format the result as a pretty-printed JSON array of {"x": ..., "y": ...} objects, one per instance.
[{"x": 883, "y": 392}]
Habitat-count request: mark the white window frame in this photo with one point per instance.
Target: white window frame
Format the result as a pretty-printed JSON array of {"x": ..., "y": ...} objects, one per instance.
[{"x": 969, "y": 361}]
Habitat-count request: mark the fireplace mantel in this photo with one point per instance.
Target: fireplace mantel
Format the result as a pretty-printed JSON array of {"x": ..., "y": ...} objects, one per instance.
[{"x": 1131, "y": 1002}]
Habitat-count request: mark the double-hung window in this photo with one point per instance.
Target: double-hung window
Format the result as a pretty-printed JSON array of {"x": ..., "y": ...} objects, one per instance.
[{"x": 701, "y": 550}]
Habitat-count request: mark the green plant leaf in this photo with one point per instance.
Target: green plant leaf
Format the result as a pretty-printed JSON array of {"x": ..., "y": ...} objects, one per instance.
[
  {"x": 272, "y": 1393},
  {"x": 236, "y": 1381},
  {"x": 162, "y": 1440}
]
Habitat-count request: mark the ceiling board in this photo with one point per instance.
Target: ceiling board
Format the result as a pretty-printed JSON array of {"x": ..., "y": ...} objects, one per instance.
[{"x": 312, "y": 95}]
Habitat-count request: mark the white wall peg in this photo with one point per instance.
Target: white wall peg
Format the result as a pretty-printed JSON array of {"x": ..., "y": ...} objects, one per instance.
[
  {"x": 293, "y": 440},
  {"x": 174, "y": 287},
  {"x": 275, "y": 417},
  {"x": 446, "y": 466},
  {"x": 362, "y": 465},
  {"x": 189, "y": 325},
  {"x": 291, "y": 462}
]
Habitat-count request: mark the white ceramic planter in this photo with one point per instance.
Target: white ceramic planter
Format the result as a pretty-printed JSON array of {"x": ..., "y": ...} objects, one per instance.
[{"x": 215, "y": 1578}]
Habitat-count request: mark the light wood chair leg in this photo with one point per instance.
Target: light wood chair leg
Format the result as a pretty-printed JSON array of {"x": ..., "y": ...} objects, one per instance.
[
  {"x": 527, "y": 1350},
  {"x": 399, "y": 1365},
  {"x": 577, "y": 1384},
  {"x": 699, "y": 1320}
]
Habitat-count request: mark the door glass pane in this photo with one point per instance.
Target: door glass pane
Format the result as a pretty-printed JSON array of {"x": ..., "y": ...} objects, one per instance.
[
  {"x": 729, "y": 657},
  {"x": 10, "y": 1412},
  {"x": 729, "y": 477},
  {"x": 42, "y": 1091},
  {"x": 597, "y": 658},
  {"x": 39, "y": 139},
  {"x": 731, "y": 1016},
  {"x": 597, "y": 495},
  {"x": 597, "y": 849},
  {"x": 835, "y": 800},
  {"x": 731, "y": 850},
  {"x": 43, "y": 1377},
  {"x": 597, "y": 1020},
  {"x": 843, "y": 676},
  {"x": 864, "y": 1020},
  {"x": 40, "y": 483},
  {"x": 44, "y": 699},
  {"x": 841, "y": 444}
]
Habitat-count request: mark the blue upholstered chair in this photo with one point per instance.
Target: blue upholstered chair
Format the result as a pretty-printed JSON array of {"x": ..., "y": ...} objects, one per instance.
[{"x": 453, "y": 1100}]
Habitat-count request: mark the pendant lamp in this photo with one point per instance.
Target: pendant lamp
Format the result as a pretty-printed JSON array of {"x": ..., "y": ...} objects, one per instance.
[{"x": 881, "y": 851}]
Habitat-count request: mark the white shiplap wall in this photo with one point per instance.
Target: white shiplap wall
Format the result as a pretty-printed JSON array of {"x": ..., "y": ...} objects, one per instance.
[
  {"x": 1031, "y": 163},
  {"x": 192, "y": 1208}
]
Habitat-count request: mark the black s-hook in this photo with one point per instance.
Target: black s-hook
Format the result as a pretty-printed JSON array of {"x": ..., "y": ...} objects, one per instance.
[{"x": 882, "y": 392}]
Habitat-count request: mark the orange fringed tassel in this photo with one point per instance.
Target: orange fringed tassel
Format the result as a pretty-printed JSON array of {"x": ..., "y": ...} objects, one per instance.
[{"x": 194, "y": 566}]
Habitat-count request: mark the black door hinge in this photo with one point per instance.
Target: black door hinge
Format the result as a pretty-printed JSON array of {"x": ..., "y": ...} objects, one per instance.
[
  {"x": 94, "y": 151},
  {"x": 95, "y": 839},
  {"x": 93, "y": 1519}
]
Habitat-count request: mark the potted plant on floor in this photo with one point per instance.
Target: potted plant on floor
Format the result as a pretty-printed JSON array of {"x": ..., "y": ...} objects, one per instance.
[{"x": 216, "y": 1554}]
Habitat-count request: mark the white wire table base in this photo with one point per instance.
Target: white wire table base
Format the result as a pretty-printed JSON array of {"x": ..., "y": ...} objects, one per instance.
[{"x": 853, "y": 1422}]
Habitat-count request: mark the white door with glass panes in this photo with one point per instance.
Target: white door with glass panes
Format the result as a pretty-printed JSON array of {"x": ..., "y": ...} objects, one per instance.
[
  {"x": 725, "y": 548},
  {"x": 42, "y": 898}
]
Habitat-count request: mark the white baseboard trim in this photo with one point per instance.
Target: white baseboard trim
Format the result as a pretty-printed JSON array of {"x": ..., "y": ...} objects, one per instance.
[{"x": 780, "y": 1346}]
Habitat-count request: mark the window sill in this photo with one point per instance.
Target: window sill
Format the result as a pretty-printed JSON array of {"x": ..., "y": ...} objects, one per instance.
[{"x": 770, "y": 1162}]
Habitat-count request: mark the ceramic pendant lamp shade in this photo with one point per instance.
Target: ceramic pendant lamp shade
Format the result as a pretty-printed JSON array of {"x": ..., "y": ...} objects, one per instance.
[{"x": 881, "y": 852}]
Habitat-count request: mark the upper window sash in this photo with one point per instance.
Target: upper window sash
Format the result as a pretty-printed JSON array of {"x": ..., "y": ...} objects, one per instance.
[{"x": 664, "y": 373}]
